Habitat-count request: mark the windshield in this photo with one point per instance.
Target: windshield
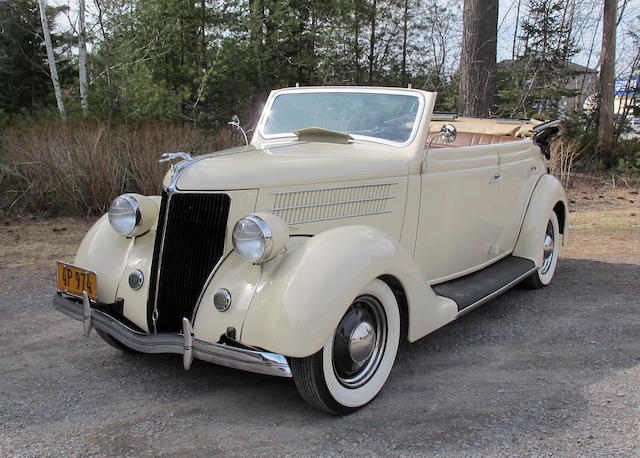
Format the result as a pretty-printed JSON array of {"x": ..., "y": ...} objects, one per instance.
[{"x": 378, "y": 115}]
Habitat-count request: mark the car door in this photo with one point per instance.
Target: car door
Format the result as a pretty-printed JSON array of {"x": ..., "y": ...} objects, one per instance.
[
  {"x": 520, "y": 165},
  {"x": 457, "y": 227}
]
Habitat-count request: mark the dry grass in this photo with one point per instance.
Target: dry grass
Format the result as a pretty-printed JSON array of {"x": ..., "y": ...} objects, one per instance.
[
  {"x": 35, "y": 244},
  {"x": 78, "y": 169},
  {"x": 605, "y": 235},
  {"x": 605, "y": 222},
  {"x": 563, "y": 154}
]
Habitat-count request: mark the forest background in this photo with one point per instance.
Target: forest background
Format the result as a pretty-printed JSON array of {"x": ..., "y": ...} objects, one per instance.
[{"x": 168, "y": 75}]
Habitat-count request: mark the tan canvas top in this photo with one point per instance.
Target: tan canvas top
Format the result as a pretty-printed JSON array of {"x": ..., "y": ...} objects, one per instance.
[{"x": 512, "y": 128}]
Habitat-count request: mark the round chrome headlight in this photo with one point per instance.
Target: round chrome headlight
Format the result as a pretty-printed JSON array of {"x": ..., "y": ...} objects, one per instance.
[
  {"x": 124, "y": 214},
  {"x": 132, "y": 214},
  {"x": 259, "y": 237}
]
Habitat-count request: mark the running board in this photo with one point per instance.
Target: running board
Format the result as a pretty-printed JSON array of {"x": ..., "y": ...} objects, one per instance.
[{"x": 475, "y": 289}]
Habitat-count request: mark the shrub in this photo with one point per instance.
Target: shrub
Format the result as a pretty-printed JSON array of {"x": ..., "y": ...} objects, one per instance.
[
  {"x": 79, "y": 168},
  {"x": 563, "y": 154},
  {"x": 626, "y": 157}
]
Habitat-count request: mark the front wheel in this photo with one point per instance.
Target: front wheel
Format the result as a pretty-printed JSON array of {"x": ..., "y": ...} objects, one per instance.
[
  {"x": 542, "y": 277},
  {"x": 356, "y": 360}
]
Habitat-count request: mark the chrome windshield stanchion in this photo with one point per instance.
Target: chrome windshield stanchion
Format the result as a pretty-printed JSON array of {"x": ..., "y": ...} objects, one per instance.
[
  {"x": 187, "y": 330},
  {"x": 88, "y": 324}
]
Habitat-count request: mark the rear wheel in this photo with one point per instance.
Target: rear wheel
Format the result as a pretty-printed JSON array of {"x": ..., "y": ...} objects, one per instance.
[
  {"x": 542, "y": 277},
  {"x": 356, "y": 360}
]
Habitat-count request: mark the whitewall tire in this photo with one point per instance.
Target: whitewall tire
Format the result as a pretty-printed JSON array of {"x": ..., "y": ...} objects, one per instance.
[
  {"x": 550, "y": 247},
  {"x": 356, "y": 360}
]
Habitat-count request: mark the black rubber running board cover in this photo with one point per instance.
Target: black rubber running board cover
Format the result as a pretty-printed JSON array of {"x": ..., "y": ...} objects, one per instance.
[{"x": 468, "y": 290}]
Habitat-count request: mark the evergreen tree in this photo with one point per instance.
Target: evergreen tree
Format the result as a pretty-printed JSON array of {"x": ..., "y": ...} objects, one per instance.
[
  {"x": 534, "y": 84},
  {"x": 24, "y": 82}
]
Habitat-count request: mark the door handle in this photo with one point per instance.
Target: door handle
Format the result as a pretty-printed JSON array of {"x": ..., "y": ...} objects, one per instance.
[
  {"x": 533, "y": 170},
  {"x": 497, "y": 177}
]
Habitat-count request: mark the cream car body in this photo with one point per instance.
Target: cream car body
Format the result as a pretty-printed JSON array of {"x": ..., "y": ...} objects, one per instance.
[{"x": 414, "y": 215}]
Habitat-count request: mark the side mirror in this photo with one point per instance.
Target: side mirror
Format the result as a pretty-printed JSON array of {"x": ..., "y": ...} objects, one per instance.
[{"x": 449, "y": 133}]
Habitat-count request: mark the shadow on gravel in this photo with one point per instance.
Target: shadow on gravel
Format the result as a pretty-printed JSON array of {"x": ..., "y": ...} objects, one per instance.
[{"x": 519, "y": 365}]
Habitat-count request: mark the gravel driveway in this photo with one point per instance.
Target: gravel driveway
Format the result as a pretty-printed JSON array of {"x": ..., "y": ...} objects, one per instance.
[{"x": 555, "y": 371}]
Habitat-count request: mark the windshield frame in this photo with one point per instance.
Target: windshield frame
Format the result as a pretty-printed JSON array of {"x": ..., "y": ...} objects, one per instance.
[{"x": 399, "y": 91}]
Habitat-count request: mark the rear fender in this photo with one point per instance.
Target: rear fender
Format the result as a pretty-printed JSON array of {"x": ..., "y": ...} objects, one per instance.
[
  {"x": 547, "y": 196},
  {"x": 303, "y": 294}
]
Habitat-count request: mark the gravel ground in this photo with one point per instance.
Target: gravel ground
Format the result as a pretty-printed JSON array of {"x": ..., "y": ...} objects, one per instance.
[{"x": 549, "y": 372}]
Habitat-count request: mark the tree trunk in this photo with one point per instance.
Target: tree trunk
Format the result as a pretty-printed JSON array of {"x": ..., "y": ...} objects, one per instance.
[
  {"x": 607, "y": 81},
  {"x": 256, "y": 37},
  {"x": 515, "y": 32},
  {"x": 569, "y": 37},
  {"x": 52, "y": 62},
  {"x": 405, "y": 19},
  {"x": 372, "y": 41},
  {"x": 203, "y": 34},
  {"x": 312, "y": 48},
  {"x": 356, "y": 23},
  {"x": 82, "y": 59},
  {"x": 107, "y": 50},
  {"x": 478, "y": 57}
]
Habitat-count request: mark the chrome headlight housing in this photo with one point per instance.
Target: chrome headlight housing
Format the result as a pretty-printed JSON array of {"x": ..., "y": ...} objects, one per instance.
[
  {"x": 132, "y": 214},
  {"x": 260, "y": 237}
]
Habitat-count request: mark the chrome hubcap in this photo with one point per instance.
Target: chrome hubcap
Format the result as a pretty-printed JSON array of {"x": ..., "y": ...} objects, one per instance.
[
  {"x": 359, "y": 341},
  {"x": 362, "y": 342},
  {"x": 547, "y": 251}
]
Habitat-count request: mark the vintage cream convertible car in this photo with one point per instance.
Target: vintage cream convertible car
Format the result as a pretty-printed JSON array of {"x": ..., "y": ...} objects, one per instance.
[{"x": 352, "y": 220}]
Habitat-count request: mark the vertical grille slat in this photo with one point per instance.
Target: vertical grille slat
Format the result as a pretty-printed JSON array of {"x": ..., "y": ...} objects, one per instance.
[{"x": 192, "y": 244}]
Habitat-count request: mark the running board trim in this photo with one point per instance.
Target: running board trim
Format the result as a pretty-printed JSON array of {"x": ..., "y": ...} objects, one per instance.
[{"x": 497, "y": 292}]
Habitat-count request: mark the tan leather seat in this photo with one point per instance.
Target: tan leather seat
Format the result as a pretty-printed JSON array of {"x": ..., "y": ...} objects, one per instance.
[{"x": 471, "y": 139}]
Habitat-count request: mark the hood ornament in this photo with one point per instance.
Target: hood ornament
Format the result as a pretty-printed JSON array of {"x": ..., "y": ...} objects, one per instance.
[
  {"x": 166, "y": 157},
  {"x": 170, "y": 156}
]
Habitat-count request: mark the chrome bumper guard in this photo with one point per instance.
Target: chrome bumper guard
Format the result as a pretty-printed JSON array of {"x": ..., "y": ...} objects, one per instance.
[{"x": 185, "y": 344}]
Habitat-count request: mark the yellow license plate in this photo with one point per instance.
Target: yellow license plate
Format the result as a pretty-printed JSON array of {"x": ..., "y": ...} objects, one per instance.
[{"x": 74, "y": 280}]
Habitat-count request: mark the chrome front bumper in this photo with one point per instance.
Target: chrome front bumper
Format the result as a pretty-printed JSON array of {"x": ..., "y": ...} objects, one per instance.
[{"x": 185, "y": 344}]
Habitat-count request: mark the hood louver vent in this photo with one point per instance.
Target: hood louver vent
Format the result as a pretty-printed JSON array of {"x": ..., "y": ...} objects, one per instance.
[{"x": 311, "y": 205}]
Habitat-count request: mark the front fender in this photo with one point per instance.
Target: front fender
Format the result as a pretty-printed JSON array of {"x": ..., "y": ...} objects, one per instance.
[
  {"x": 546, "y": 197},
  {"x": 105, "y": 252},
  {"x": 303, "y": 294},
  {"x": 112, "y": 257}
]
